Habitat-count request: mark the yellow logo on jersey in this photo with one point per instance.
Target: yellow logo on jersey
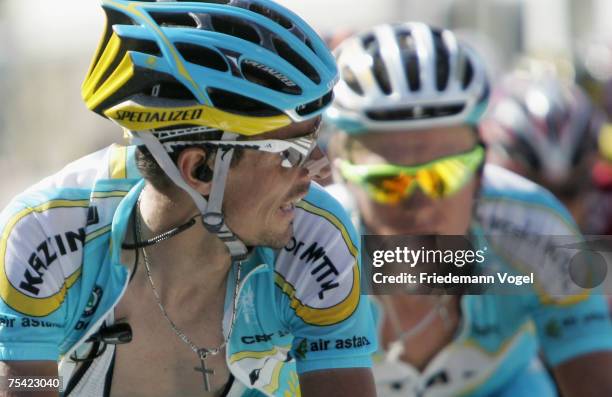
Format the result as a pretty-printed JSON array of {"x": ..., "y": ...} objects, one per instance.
[{"x": 23, "y": 288}]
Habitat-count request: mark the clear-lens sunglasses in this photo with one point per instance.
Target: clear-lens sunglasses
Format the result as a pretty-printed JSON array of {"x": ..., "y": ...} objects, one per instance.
[{"x": 294, "y": 152}]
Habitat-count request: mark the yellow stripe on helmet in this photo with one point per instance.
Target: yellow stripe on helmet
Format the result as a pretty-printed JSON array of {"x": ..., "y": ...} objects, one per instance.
[
  {"x": 99, "y": 49},
  {"x": 136, "y": 117},
  {"x": 99, "y": 69},
  {"x": 116, "y": 80},
  {"x": 132, "y": 10}
]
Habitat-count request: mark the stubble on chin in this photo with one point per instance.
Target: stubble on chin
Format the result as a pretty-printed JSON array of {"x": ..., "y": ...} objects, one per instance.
[{"x": 275, "y": 239}]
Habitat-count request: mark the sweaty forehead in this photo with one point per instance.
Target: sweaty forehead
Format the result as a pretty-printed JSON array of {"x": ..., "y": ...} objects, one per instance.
[
  {"x": 293, "y": 130},
  {"x": 410, "y": 147}
]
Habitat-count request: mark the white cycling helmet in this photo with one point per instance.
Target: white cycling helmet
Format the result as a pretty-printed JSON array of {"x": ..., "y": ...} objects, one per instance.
[
  {"x": 407, "y": 76},
  {"x": 544, "y": 127}
]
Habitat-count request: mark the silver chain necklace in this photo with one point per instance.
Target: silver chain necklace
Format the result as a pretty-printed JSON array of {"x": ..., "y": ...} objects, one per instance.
[
  {"x": 396, "y": 348},
  {"x": 203, "y": 352}
]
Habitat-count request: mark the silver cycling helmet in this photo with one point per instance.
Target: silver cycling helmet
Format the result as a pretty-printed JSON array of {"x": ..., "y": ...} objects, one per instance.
[
  {"x": 544, "y": 127},
  {"x": 407, "y": 76}
]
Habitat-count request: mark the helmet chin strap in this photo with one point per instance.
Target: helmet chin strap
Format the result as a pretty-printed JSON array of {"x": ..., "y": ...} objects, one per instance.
[
  {"x": 213, "y": 218},
  {"x": 210, "y": 211}
]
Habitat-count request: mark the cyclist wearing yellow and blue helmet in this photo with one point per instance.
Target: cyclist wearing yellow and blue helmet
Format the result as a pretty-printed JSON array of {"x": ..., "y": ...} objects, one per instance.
[
  {"x": 200, "y": 260},
  {"x": 408, "y": 161}
]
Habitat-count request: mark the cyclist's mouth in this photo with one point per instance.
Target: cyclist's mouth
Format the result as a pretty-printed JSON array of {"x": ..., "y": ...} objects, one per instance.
[{"x": 288, "y": 208}]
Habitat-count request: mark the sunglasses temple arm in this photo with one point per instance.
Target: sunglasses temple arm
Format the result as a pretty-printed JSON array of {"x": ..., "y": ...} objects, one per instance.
[{"x": 314, "y": 167}]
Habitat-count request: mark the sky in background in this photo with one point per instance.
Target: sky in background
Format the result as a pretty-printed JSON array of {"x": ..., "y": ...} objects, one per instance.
[{"x": 81, "y": 21}]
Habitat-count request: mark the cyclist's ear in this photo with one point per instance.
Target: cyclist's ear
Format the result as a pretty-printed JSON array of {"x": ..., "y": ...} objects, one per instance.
[
  {"x": 195, "y": 166},
  {"x": 203, "y": 172}
]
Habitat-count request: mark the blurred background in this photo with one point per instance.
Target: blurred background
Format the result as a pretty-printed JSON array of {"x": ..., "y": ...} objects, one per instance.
[{"x": 46, "y": 47}]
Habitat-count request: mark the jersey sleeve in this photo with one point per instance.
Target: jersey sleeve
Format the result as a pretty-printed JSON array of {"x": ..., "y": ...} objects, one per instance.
[
  {"x": 537, "y": 235},
  {"x": 577, "y": 321},
  {"x": 32, "y": 287},
  {"x": 318, "y": 278},
  {"x": 569, "y": 330}
]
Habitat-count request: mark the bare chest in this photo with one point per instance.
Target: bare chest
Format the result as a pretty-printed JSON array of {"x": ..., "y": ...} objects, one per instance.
[{"x": 158, "y": 362}]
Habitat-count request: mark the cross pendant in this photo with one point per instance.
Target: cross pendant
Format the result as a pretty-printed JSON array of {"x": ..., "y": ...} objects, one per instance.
[{"x": 202, "y": 353}]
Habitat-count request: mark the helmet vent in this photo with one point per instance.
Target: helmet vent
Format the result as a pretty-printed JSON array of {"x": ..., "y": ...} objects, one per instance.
[
  {"x": 381, "y": 75},
  {"x": 283, "y": 21},
  {"x": 296, "y": 60},
  {"x": 129, "y": 44},
  {"x": 309, "y": 45},
  {"x": 145, "y": 46},
  {"x": 115, "y": 17},
  {"x": 238, "y": 104},
  {"x": 414, "y": 113},
  {"x": 315, "y": 105},
  {"x": 367, "y": 41},
  {"x": 268, "y": 77},
  {"x": 410, "y": 59},
  {"x": 271, "y": 14},
  {"x": 442, "y": 61},
  {"x": 349, "y": 78},
  {"x": 170, "y": 90},
  {"x": 468, "y": 74},
  {"x": 202, "y": 56},
  {"x": 234, "y": 27},
  {"x": 174, "y": 19}
]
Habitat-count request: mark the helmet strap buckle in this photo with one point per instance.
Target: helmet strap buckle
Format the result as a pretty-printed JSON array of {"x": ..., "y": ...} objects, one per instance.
[{"x": 213, "y": 221}]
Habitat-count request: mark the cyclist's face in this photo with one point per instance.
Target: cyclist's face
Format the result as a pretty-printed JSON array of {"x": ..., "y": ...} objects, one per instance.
[
  {"x": 416, "y": 214},
  {"x": 260, "y": 194}
]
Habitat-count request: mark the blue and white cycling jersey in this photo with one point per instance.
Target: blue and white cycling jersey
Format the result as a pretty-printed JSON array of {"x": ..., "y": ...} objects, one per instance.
[
  {"x": 494, "y": 352},
  {"x": 299, "y": 308}
]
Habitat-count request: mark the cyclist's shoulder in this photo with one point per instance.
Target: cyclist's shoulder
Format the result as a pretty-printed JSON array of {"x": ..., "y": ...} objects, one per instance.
[
  {"x": 506, "y": 196},
  {"x": 322, "y": 196},
  {"x": 72, "y": 189},
  {"x": 319, "y": 207},
  {"x": 46, "y": 228},
  {"x": 321, "y": 221},
  {"x": 44, "y": 206},
  {"x": 114, "y": 162},
  {"x": 342, "y": 194},
  {"x": 320, "y": 263},
  {"x": 525, "y": 228},
  {"x": 498, "y": 182}
]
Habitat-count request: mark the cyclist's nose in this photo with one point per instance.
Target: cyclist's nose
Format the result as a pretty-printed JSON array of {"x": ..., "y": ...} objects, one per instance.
[
  {"x": 416, "y": 200},
  {"x": 317, "y": 165}
]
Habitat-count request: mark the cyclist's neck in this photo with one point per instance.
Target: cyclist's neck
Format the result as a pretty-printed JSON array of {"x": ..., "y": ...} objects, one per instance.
[{"x": 191, "y": 258}]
